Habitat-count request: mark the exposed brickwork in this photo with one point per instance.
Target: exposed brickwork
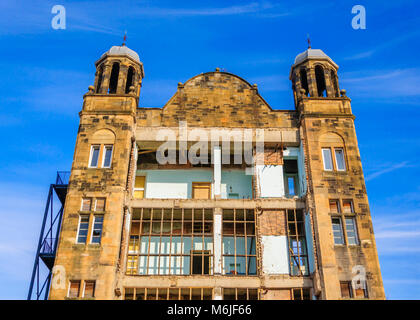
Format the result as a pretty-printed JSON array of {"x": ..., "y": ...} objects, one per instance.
[{"x": 272, "y": 223}]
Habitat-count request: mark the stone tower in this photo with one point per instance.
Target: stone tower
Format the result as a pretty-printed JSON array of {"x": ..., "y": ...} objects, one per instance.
[
  {"x": 336, "y": 196},
  {"x": 100, "y": 175}
]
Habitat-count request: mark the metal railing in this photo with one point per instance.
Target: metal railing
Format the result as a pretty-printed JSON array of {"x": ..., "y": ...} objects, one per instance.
[{"x": 62, "y": 177}]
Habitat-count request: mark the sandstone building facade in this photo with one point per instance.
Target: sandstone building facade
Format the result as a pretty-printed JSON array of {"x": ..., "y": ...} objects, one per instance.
[{"x": 292, "y": 222}]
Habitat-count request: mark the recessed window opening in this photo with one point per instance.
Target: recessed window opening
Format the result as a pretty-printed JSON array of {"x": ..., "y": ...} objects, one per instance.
[
  {"x": 320, "y": 81},
  {"x": 130, "y": 78},
  {"x": 113, "y": 81}
]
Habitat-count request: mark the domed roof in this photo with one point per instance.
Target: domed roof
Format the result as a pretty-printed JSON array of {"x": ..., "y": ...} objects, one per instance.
[
  {"x": 312, "y": 54},
  {"x": 122, "y": 51}
]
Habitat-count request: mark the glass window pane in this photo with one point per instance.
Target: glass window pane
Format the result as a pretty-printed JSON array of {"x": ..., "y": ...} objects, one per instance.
[
  {"x": 83, "y": 229},
  {"x": 339, "y": 159},
  {"x": 291, "y": 186},
  {"x": 97, "y": 229},
  {"x": 94, "y": 156},
  {"x": 326, "y": 156},
  {"x": 351, "y": 231},
  {"x": 337, "y": 231},
  {"x": 107, "y": 156}
]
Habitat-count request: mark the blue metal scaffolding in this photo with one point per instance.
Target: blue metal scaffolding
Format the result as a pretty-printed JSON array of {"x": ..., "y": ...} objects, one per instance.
[{"x": 48, "y": 239}]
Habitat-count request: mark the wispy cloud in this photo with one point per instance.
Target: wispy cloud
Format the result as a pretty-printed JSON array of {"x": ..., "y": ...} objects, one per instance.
[
  {"x": 230, "y": 10},
  {"x": 397, "y": 232},
  {"x": 381, "y": 46},
  {"x": 386, "y": 85},
  {"x": 386, "y": 170}
]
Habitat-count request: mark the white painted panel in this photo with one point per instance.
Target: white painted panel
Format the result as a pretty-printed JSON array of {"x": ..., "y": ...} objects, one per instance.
[
  {"x": 271, "y": 181},
  {"x": 275, "y": 257},
  {"x": 217, "y": 172},
  {"x": 167, "y": 190}
]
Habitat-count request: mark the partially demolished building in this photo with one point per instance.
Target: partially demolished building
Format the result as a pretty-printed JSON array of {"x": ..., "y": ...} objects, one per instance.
[{"x": 216, "y": 195}]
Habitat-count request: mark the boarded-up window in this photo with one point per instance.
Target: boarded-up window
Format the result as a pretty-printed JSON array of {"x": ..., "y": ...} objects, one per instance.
[
  {"x": 201, "y": 190},
  {"x": 347, "y": 206},
  {"x": 139, "y": 187},
  {"x": 334, "y": 206},
  {"x": 346, "y": 290},
  {"x": 74, "y": 289},
  {"x": 361, "y": 293},
  {"x": 89, "y": 289},
  {"x": 86, "y": 204},
  {"x": 100, "y": 204}
]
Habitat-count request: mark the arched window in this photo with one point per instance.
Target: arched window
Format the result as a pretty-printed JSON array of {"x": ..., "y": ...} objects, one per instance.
[
  {"x": 320, "y": 81},
  {"x": 334, "y": 82},
  {"x": 101, "y": 149},
  {"x": 100, "y": 76},
  {"x": 130, "y": 78},
  {"x": 113, "y": 81},
  {"x": 304, "y": 81},
  {"x": 333, "y": 152}
]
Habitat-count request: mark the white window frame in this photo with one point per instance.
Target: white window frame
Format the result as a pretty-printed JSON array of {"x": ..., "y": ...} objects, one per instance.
[
  {"x": 103, "y": 155},
  {"x": 341, "y": 229},
  {"x": 93, "y": 228},
  {"x": 331, "y": 159},
  {"x": 356, "y": 236},
  {"x": 78, "y": 228},
  {"x": 344, "y": 159},
  {"x": 91, "y": 154}
]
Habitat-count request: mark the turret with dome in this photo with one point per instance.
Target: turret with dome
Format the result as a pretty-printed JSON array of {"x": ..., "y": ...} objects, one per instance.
[
  {"x": 314, "y": 75},
  {"x": 119, "y": 71}
]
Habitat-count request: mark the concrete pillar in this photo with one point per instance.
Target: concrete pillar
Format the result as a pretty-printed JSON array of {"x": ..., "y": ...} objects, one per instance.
[
  {"x": 217, "y": 238},
  {"x": 217, "y": 172},
  {"x": 217, "y": 294}
]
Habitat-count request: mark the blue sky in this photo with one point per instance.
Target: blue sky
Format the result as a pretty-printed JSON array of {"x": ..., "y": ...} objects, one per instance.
[{"x": 45, "y": 73}]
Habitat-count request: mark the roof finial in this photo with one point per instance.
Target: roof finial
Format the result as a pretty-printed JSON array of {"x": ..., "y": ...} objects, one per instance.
[
  {"x": 309, "y": 42},
  {"x": 125, "y": 38}
]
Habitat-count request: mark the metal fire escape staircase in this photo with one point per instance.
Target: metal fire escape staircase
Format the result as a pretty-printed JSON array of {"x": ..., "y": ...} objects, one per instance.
[{"x": 48, "y": 239}]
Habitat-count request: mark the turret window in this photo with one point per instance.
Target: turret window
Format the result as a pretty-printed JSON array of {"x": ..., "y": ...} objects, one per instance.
[
  {"x": 304, "y": 81},
  {"x": 320, "y": 81},
  {"x": 130, "y": 78},
  {"x": 113, "y": 81}
]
